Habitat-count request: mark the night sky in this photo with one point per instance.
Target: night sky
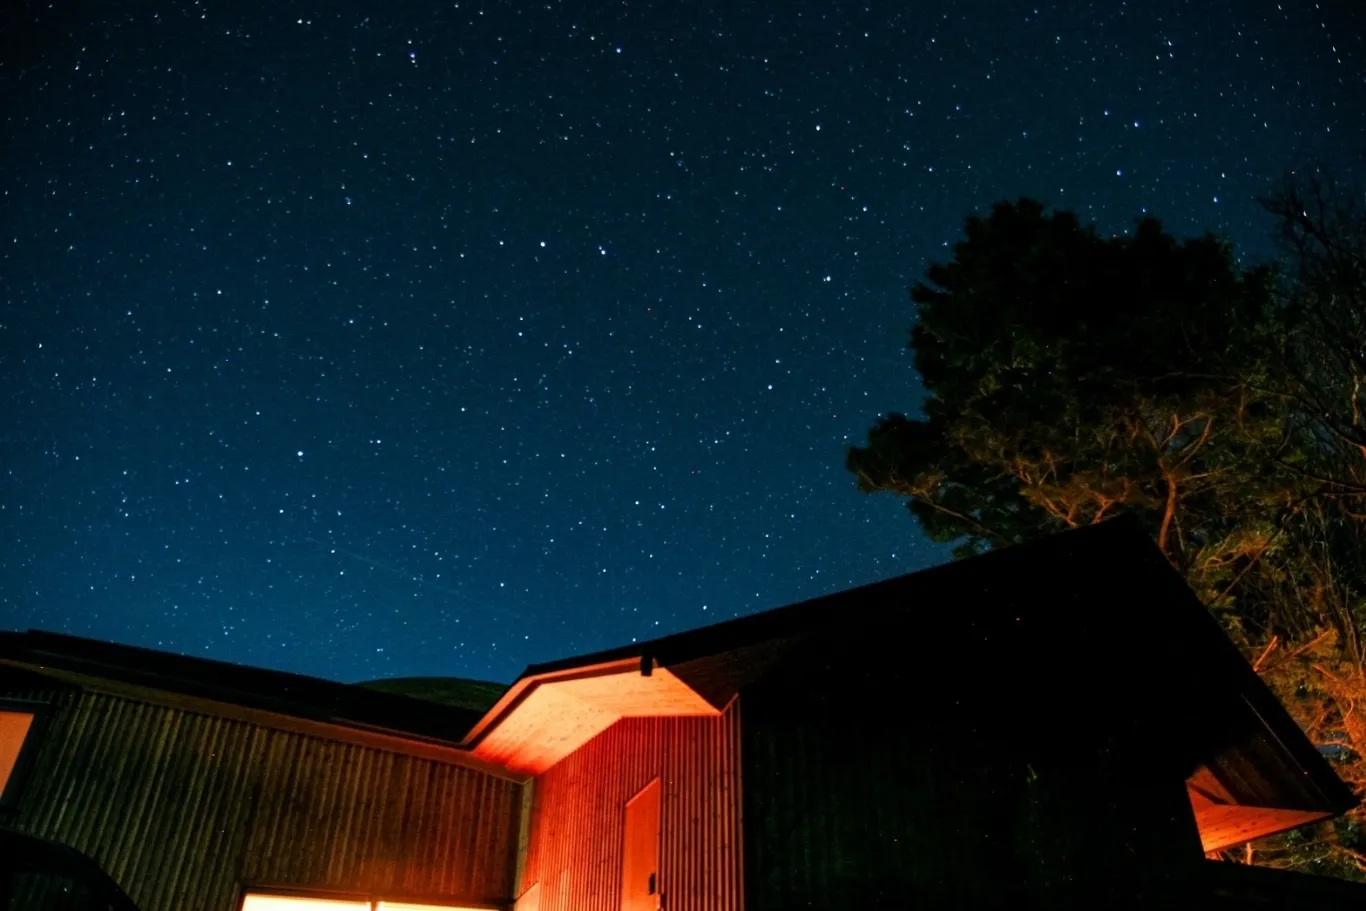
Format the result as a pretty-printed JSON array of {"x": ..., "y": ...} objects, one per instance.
[{"x": 439, "y": 338}]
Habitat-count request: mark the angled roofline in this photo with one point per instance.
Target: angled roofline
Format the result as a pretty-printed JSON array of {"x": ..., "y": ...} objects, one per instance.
[
  {"x": 545, "y": 717},
  {"x": 704, "y": 641},
  {"x": 1121, "y": 539},
  {"x": 1275, "y": 719},
  {"x": 277, "y": 699},
  {"x": 717, "y": 638},
  {"x": 527, "y": 683}
]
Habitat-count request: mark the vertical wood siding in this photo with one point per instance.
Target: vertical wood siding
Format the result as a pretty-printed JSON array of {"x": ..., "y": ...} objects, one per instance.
[
  {"x": 855, "y": 818},
  {"x": 183, "y": 809},
  {"x": 869, "y": 784},
  {"x": 574, "y": 852}
]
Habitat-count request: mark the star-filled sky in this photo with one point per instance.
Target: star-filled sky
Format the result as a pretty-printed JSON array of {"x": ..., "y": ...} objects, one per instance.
[{"x": 376, "y": 339}]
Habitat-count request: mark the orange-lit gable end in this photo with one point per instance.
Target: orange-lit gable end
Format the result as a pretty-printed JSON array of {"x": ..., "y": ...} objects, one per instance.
[
  {"x": 545, "y": 717},
  {"x": 1224, "y": 821},
  {"x": 1266, "y": 778}
]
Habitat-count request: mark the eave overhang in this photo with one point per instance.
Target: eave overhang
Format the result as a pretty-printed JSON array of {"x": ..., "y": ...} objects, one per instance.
[
  {"x": 546, "y": 716},
  {"x": 1225, "y": 825}
]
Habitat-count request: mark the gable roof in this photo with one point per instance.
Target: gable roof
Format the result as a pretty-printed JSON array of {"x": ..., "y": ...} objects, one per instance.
[
  {"x": 1057, "y": 587},
  {"x": 322, "y": 707},
  {"x": 475, "y": 696}
]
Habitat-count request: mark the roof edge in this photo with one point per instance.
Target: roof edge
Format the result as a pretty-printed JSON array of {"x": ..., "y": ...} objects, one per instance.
[
  {"x": 521, "y": 690},
  {"x": 681, "y": 646},
  {"x": 339, "y": 730}
]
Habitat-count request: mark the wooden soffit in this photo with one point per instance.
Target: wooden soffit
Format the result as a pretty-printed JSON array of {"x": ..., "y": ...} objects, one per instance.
[
  {"x": 1224, "y": 824},
  {"x": 544, "y": 718}
]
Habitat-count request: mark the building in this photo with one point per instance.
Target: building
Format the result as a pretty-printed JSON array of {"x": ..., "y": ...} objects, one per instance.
[
  {"x": 190, "y": 782},
  {"x": 1057, "y": 724}
]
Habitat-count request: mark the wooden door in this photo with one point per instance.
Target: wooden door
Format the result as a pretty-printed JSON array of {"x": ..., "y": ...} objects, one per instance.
[{"x": 640, "y": 852}]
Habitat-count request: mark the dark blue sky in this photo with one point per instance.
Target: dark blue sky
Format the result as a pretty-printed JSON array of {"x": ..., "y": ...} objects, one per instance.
[{"x": 437, "y": 338}]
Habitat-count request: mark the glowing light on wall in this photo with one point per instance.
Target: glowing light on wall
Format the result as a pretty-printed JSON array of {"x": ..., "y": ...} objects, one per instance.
[
  {"x": 408, "y": 906},
  {"x": 256, "y": 902},
  {"x": 14, "y": 728}
]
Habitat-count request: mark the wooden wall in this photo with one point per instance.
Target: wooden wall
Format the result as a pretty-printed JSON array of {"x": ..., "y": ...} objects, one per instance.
[
  {"x": 873, "y": 780},
  {"x": 183, "y": 809},
  {"x": 574, "y": 851}
]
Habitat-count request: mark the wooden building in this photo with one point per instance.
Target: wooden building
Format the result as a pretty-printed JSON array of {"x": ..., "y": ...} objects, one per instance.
[
  {"x": 1055, "y": 725},
  {"x": 196, "y": 784}
]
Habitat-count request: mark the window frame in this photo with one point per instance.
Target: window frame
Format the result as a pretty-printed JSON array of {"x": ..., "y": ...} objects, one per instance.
[
  {"x": 13, "y": 788},
  {"x": 371, "y": 899}
]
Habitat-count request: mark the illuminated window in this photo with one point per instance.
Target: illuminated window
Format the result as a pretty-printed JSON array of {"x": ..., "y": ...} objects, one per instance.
[
  {"x": 256, "y": 902},
  {"x": 260, "y": 901},
  {"x": 15, "y": 727}
]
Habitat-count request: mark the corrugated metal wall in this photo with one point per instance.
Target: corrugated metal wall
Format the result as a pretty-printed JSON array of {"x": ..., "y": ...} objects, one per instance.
[
  {"x": 183, "y": 808},
  {"x": 574, "y": 850}
]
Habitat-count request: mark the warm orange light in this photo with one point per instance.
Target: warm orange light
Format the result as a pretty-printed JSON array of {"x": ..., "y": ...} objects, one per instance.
[
  {"x": 409, "y": 906},
  {"x": 1223, "y": 822},
  {"x": 560, "y": 713},
  {"x": 257, "y": 902},
  {"x": 640, "y": 851},
  {"x": 14, "y": 728}
]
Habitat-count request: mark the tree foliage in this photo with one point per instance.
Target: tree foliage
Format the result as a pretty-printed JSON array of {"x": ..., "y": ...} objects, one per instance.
[
  {"x": 1069, "y": 377},
  {"x": 1322, "y": 678}
]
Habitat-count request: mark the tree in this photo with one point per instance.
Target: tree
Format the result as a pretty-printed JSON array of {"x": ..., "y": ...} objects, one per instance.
[
  {"x": 1321, "y": 226},
  {"x": 1069, "y": 377},
  {"x": 1322, "y": 233}
]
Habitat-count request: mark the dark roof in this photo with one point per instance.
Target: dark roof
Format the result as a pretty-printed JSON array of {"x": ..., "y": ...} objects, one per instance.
[
  {"x": 1107, "y": 542},
  {"x": 294, "y": 695},
  {"x": 471, "y": 695},
  {"x": 1100, "y": 604}
]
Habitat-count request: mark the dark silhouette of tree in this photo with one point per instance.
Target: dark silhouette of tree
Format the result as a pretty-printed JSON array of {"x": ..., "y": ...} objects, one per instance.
[{"x": 1070, "y": 377}]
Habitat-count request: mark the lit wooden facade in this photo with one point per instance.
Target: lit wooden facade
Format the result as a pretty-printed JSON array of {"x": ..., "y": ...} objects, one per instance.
[
  {"x": 574, "y": 856},
  {"x": 545, "y": 717},
  {"x": 190, "y": 802},
  {"x": 978, "y": 735}
]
